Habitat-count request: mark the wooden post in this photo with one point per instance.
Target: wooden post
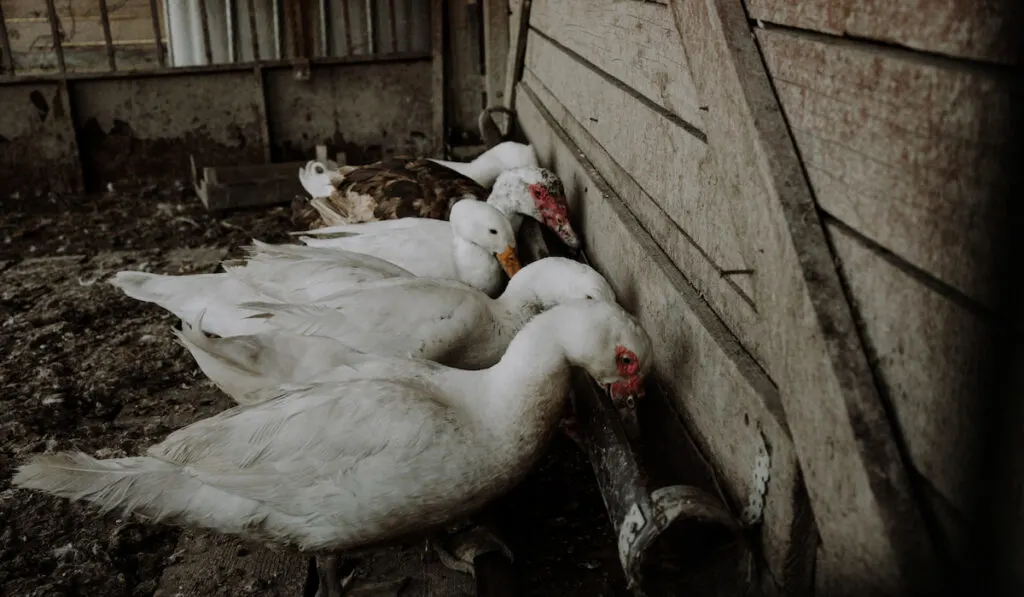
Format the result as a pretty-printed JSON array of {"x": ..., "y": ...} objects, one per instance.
[
  {"x": 874, "y": 538},
  {"x": 438, "y": 11},
  {"x": 518, "y": 28},
  {"x": 496, "y": 38}
]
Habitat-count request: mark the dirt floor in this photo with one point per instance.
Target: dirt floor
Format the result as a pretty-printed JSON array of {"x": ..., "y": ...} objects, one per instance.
[{"x": 83, "y": 367}]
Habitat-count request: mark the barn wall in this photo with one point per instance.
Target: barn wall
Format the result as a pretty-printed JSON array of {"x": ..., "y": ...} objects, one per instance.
[
  {"x": 608, "y": 100},
  {"x": 814, "y": 212},
  {"x": 902, "y": 148}
]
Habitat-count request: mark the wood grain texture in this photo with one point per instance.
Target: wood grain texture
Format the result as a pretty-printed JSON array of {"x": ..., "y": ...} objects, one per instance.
[
  {"x": 635, "y": 42},
  {"x": 858, "y": 484},
  {"x": 519, "y": 23},
  {"x": 721, "y": 390},
  {"x": 903, "y": 149},
  {"x": 464, "y": 79},
  {"x": 496, "y": 38},
  {"x": 438, "y": 79},
  {"x": 929, "y": 352},
  {"x": 664, "y": 158},
  {"x": 979, "y": 29},
  {"x": 729, "y": 299}
]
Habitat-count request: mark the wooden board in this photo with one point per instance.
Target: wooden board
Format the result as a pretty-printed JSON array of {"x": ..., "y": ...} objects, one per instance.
[
  {"x": 634, "y": 42},
  {"x": 465, "y": 80},
  {"x": 953, "y": 27},
  {"x": 82, "y": 9},
  {"x": 858, "y": 485},
  {"x": 929, "y": 351},
  {"x": 731, "y": 301},
  {"x": 40, "y": 150},
  {"x": 35, "y": 34},
  {"x": 518, "y": 25},
  {"x": 633, "y": 133},
  {"x": 496, "y": 37},
  {"x": 725, "y": 395},
  {"x": 364, "y": 110},
  {"x": 902, "y": 148}
]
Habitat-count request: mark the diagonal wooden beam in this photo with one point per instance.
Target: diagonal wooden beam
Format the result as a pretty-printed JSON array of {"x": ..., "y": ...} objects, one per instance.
[{"x": 874, "y": 538}]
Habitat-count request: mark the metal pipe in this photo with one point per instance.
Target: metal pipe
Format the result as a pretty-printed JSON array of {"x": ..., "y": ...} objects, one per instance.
[
  {"x": 346, "y": 23},
  {"x": 204, "y": 20},
  {"x": 55, "y": 33},
  {"x": 371, "y": 43},
  {"x": 278, "y": 38},
  {"x": 157, "y": 38},
  {"x": 393, "y": 22},
  {"x": 5, "y": 45},
  {"x": 254, "y": 31},
  {"x": 231, "y": 14},
  {"x": 107, "y": 38}
]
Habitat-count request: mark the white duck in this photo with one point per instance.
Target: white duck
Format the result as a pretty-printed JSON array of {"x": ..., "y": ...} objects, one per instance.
[
  {"x": 462, "y": 248},
  {"x": 287, "y": 273},
  {"x": 335, "y": 466},
  {"x": 446, "y": 322}
]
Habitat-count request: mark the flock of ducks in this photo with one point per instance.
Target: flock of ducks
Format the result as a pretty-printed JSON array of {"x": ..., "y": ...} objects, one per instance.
[{"x": 393, "y": 373}]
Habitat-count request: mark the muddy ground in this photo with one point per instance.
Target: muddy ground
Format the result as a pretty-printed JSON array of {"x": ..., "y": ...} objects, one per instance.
[{"x": 83, "y": 367}]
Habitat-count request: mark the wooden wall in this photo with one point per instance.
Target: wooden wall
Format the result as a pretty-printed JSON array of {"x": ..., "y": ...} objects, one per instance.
[{"x": 802, "y": 220}]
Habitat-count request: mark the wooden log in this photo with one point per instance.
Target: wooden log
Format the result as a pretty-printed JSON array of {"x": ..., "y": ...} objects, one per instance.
[
  {"x": 902, "y": 148},
  {"x": 874, "y": 538},
  {"x": 726, "y": 396},
  {"x": 966, "y": 29},
  {"x": 633, "y": 42}
]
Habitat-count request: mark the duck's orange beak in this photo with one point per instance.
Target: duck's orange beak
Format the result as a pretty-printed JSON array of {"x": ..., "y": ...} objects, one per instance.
[{"x": 509, "y": 260}]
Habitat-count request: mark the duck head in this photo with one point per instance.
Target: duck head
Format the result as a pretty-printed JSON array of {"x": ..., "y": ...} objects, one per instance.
[
  {"x": 316, "y": 177},
  {"x": 611, "y": 346},
  {"x": 536, "y": 193},
  {"x": 487, "y": 227},
  {"x": 549, "y": 282}
]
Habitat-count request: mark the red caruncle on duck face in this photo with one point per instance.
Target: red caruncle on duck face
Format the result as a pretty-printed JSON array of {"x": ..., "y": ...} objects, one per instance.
[
  {"x": 549, "y": 197},
  {"x": 631, "y": 389}
]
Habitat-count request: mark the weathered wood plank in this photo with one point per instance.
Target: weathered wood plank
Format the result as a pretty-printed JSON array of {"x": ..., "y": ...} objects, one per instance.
[
  {"x": 903, "y": 149},
  {"x": 438, "y": 79},
  {"x": 34, "y": 35},
  {"x": 968, "y": 29},
  {"x": 929, "y": 352},
  {"x": 663, "y": 157},
  {"x": 40, "y": 151},
  {"x": 723, "y": 392},
  {"x": 82, "y": 9},
  {"x": 634, "y": 42},
  {"x": 519, "y": 24},
  {"x": 465, "y": 82},
  {"x": 857, "y": 482},
  {"x": 496, "y": 38},
  {"x": 731, "y": 301}
]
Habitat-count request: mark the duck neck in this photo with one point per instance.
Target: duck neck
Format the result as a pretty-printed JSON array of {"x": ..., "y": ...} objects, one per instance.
[
  {"x": 520, "y": 301},
  {"x": 475, "y": 266},
  {"x": 484, "y": 170},
  {"x": 534, "y": 377},
  {"x": 503, "y": 200}
]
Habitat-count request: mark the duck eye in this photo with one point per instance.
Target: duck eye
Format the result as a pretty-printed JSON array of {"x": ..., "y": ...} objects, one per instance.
[
  {"x": 589, "y": 298},
  {"x": 319, "y": 169},
  {"x": 625, "y": 360},
  {"x": 493, "y": 231}
]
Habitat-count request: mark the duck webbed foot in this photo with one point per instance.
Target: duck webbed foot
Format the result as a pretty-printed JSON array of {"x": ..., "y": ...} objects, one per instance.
[
  {"x": 332, "y": 583},
  {"x": 457, "y": 551}
]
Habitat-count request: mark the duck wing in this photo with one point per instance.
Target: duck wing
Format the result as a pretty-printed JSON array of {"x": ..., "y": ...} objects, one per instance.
[
  {"x": 395, "y": 187},
  {"x": 419, "y": 317}
]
